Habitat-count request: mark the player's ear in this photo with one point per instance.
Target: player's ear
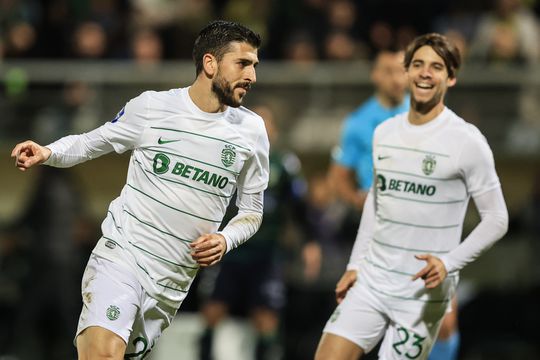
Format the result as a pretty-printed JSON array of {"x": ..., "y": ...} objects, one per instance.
[
  {"x": 451, "y": 81},
  {"x": 209, "y": 64}
]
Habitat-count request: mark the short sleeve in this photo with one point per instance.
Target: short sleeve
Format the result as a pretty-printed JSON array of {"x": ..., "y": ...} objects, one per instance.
[
  {"x": 477, "y": 165},
  {"x": 125, "y": 130}
]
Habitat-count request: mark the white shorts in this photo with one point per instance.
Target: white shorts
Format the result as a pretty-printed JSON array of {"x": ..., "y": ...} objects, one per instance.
[
  {"x": 113, "y": 299},
  {"x": 364, "y": 316}
]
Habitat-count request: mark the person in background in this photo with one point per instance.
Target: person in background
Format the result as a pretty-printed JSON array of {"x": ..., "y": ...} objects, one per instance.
[
  {"x": 351, "y": 172},
  {"x": 507, "y": 35}
]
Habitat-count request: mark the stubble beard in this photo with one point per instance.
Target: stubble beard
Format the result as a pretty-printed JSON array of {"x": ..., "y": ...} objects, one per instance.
[
  {"x": 224, "y": 92},
  {"x": 425, "y": 107}
]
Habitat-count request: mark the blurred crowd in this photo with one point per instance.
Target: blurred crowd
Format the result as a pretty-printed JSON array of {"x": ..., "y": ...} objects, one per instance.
[{"x": 147, "y": 31}]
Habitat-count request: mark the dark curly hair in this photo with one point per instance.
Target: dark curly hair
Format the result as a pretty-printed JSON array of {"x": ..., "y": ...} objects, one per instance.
[{"x": 215, "y": 39}]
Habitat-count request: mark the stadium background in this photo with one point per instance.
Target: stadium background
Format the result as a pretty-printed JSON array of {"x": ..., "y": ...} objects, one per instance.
[{"x": 68, "y": 66}]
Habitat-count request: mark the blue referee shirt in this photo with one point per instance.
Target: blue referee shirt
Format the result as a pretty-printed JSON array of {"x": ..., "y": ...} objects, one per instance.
[{"x": 357, "y": 138}]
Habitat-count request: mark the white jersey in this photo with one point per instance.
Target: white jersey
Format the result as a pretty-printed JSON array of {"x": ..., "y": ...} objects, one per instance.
[
  {"x": 185, "y": 166},
  {"x": 425, "y": 176}
]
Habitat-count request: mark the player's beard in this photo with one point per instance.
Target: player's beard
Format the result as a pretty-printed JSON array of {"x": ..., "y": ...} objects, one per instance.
[
  {"x": 427, "y": 106},
  {"x": 225, "y": 91}
]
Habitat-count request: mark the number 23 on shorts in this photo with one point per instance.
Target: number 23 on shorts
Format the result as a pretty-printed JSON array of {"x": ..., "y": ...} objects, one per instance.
[{"x": 410, "y": 344}]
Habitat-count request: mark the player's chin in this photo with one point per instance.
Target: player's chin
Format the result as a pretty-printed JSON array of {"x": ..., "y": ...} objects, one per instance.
[{"x": 237, "y": 101}]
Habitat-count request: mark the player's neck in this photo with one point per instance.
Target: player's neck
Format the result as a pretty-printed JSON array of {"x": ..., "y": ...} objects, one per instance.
[
  {"x": 202, "y": 96},
  {"x": 419, "y": 118}
]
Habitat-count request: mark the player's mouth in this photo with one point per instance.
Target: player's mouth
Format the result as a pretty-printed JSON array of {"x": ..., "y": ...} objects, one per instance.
[
  {"x": 424, "y": 86},
  {"x": 244, "y": 86}
]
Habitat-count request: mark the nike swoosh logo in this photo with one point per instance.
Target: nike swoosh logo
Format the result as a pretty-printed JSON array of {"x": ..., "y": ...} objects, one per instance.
[
  {"x": 161, "y": 142},
  {"x": 383, "y": 157}
]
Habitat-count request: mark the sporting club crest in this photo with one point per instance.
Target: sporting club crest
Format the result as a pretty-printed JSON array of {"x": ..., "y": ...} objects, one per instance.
[
  {"x": 228, "y": 155},
  {"x": 113, "y": 312},
  {"x": 428, "y": 164}
]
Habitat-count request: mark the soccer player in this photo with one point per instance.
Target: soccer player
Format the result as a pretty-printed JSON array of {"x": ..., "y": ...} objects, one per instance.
[
  {"x": 192, "y": 148},
  {"x": 404, "y": 267},
  {"x": 351, "y": 172}
]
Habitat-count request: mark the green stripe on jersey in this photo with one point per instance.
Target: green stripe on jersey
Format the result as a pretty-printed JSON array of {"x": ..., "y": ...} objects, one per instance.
[
  {"x": 399, "y": 272},
  {"x": 175, "y": 289},
  {"x": 419, "y": 226},
  {"x": 201, "y": 135},
  {"x": 159, "y": 150},
  {"x": 165, "y": 286},
  {"x": 173, "y": 208},
  {"x": 156, "y": 228},
  {"x": 162, "y": 258},
  {"x": 114, "y": 220},
  {"x": 389, "y": 270},
  {"x": 409, "y": 298},
  {"x": 421, "y": 201},
  {"x": 412, "y": 149},
  {"x": 409, "y": 249},
  {"x": 178, "y": 182},
  {"x": 377, "y": 170}
]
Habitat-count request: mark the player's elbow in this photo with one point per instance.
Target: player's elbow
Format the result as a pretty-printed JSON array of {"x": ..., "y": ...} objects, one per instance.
[
  {"x": 257, "y": 219},
  {"x": 500, "y": 223}
]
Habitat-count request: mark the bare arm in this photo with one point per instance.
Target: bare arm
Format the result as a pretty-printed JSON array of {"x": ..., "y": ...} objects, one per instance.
[{"x": 344, "y": 184}]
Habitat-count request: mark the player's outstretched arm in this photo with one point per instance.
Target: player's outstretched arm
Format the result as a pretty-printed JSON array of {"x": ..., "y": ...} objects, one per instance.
[{"x": 28, "y": 154}]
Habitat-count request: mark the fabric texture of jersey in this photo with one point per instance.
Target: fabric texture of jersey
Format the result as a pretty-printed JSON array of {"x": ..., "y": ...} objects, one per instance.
[
  {"x": 184, "y": 169},
  {"x": 425, "y": 177},
  {"x": 356, "y": 139}
]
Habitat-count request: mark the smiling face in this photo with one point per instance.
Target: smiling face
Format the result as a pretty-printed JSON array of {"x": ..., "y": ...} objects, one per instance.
[
  {"x": 428, "y": 80},
  {"x": 235, "y": 74}
]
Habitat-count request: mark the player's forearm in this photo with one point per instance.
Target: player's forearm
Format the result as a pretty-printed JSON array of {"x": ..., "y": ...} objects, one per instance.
[
  {"x": 75, "y": 149},
  {"x": 246, "y": 223},
  {"x": 241, "y": 228},
  {"x": 365, "y": 234},
  {"x": 491, "y": 228}
]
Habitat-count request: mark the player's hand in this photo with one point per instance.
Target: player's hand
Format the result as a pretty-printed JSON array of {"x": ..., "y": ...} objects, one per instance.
[
  {"x": 208, "y": 249},
  {"x": 344, "y": 284},
  {"x": 433, "y": 273},
  {"x": 28, "y": 154}
]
